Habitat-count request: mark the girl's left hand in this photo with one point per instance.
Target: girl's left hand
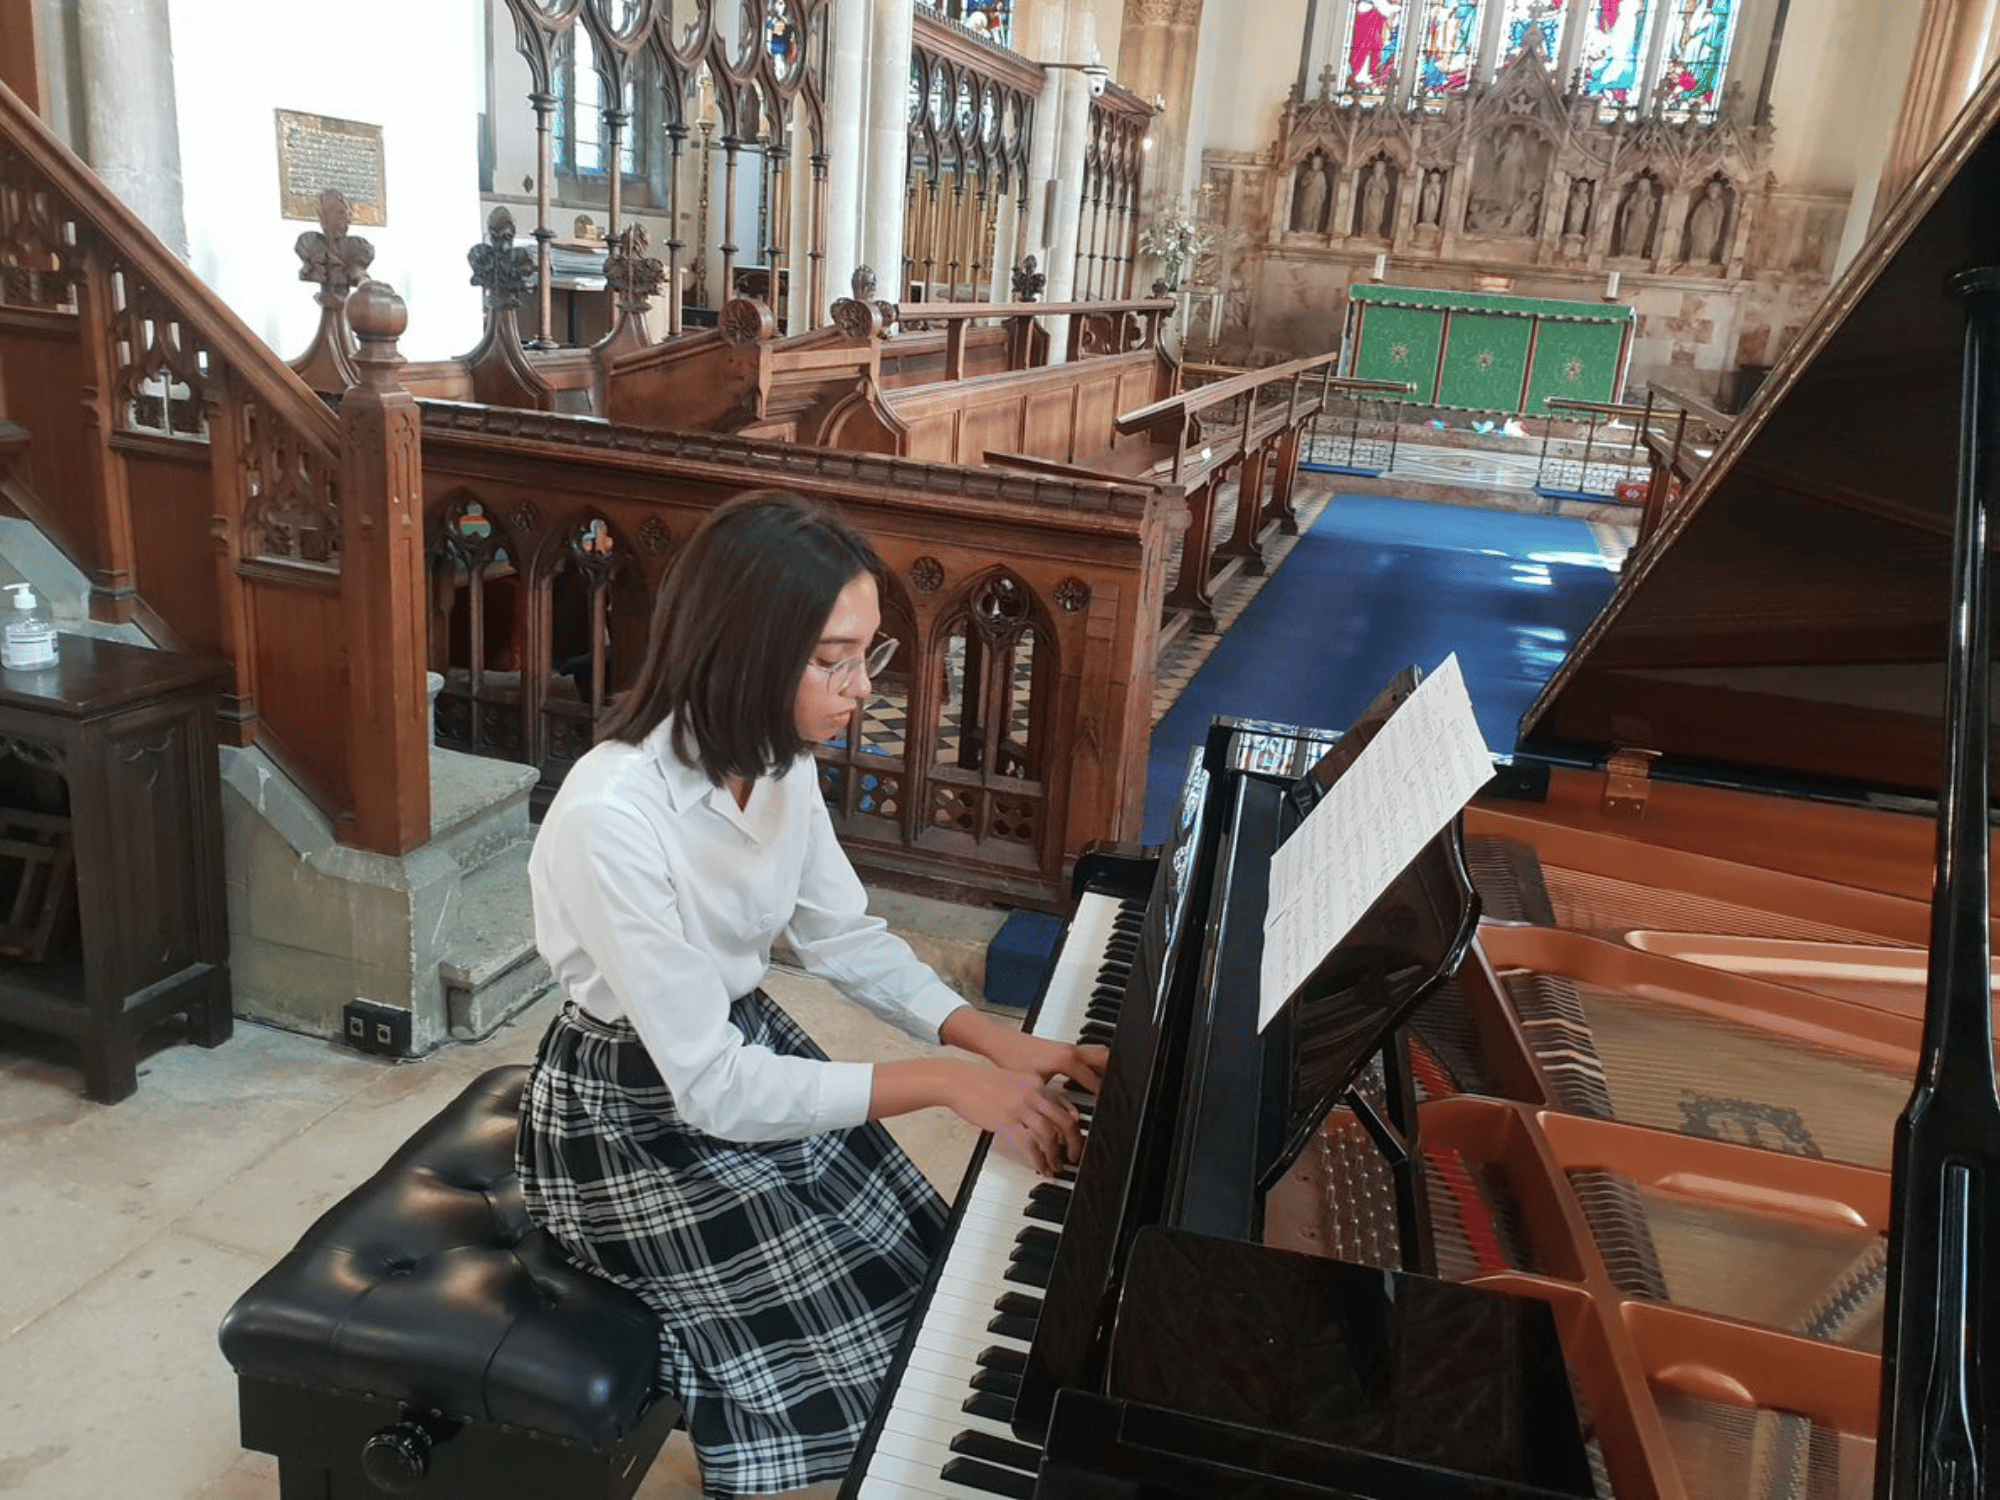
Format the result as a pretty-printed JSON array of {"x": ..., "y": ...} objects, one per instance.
[{"x": 1018, "y": 1051}]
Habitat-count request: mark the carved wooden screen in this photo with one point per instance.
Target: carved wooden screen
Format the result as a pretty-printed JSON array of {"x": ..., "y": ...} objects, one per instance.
[
  {"x": 760, "y": 65},
  {"x": 1113, "y": 176},
  {"x": 971, "y": 117}
]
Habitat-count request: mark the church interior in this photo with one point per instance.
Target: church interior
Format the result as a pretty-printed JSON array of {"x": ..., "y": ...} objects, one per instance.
[{"x": 1195, "y": 367}]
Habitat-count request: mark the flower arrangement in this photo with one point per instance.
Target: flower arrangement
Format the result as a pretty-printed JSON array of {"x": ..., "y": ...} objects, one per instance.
[{"x": 1176, "y": 237}]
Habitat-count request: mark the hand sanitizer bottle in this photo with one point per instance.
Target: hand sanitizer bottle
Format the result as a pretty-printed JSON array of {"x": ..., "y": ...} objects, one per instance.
[{"x": 28, "y": 640}]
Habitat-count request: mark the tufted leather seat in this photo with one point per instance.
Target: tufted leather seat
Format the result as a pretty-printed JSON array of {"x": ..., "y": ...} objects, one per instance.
[{"x": 423, "y": 1337}]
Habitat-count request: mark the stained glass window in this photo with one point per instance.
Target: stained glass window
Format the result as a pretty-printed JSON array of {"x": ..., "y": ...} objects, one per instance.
[
  {"x": 1526, "y": 16},
  {"x": 1374, "y": 43},
  {"x": 1614, "y": 37},
  {"x": 1448, "y": 46},
  {"x": 1698, "y": 36}
]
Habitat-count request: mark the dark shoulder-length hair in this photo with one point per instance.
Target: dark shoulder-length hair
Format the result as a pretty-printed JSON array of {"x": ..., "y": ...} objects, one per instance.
[{"x": 739, "y": 613}]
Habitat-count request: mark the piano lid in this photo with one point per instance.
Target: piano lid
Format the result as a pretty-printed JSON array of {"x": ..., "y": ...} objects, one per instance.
[{"x": 1791, "y": 616}]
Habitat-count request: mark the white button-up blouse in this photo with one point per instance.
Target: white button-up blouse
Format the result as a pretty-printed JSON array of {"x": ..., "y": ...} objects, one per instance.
[{"x": 657, "y": 899}]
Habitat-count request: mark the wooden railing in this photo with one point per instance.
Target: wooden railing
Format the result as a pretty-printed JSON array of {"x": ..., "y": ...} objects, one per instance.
[
  {"x": 207, "y": 493},
  {"x": 1014, "y": 726},
  {"x": 1662, "y": 443},
  {"x": 1270, "y": 412}
]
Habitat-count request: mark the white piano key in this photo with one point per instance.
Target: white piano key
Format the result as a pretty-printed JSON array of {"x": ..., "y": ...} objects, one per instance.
[{"x": 925, "y": 1407}]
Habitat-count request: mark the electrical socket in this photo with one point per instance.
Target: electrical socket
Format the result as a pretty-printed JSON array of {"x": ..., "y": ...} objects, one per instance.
[{"x": 372, "y": 1027}]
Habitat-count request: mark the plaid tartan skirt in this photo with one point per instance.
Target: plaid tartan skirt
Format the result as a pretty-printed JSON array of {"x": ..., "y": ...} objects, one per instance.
[{"x": 783, "y": 1272}]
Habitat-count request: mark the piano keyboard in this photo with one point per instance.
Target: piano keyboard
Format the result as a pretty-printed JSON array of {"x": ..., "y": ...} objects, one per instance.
[{"x": 944, "y": 1431}]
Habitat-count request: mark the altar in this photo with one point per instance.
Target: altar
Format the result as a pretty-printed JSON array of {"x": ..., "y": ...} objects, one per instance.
[{"x": 1484, "y": 351}]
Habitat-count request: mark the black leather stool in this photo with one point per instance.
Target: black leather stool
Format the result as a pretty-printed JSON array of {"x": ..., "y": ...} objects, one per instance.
[{"x": 424, "y": 1339}]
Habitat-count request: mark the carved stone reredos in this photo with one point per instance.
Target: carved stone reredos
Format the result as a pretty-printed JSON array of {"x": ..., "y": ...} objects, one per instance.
[{"x": 1681, "y": 154}]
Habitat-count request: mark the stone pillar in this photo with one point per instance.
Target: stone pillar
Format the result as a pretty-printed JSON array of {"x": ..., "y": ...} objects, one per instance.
[
  {"x": 132, "y": 134},
  {"x": 1069, "y": 121},
  {"x": 846, "y": 147},
  {"x": 1955, "y": 45},
  {"x": 1156, "y": 60},
  {"x": 891, "y": 31}
]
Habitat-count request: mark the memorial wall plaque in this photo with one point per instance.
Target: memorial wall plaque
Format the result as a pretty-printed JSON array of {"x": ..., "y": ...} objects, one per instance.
[{"x": 316, "y": 153}]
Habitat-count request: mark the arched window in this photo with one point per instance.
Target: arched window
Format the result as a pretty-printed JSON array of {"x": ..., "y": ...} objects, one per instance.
[{"x": 582, "y": 139}]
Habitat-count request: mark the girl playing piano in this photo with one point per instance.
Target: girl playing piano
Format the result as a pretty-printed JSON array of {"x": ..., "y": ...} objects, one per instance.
[{"x": 680, "y": 1134}]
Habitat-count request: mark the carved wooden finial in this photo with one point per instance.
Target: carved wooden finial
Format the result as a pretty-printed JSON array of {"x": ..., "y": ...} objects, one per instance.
[
  {"x": 630, "y": 272},
  {"x": 378, "y": 317},
  {"x": 502, "y": 269},
  {"x": 329, "y": 256}
]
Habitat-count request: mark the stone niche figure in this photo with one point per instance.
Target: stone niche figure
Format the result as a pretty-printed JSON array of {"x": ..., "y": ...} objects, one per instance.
[
  {"x": 1309, "y": 196},
  {"x": 1430, "y": 200},
  {"x": 1576, "y": 219},
  {"x": 1704, "y": 225},
  {"x": 1372, "y": 216},
  {"x": 1506, "y": 193},
  {"x": 1638, "y": 211}
]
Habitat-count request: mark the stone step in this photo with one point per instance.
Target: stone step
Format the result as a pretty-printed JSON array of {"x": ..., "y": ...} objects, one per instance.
[
  {"x": 490, "y": 969},
  {"x": 479, "y": 806}
]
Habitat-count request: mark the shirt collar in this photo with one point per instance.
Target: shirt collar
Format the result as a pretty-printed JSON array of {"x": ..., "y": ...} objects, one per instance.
[{"x": 686, "y": 784}]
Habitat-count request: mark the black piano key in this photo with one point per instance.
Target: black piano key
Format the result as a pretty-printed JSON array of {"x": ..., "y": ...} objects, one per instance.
[
  {"x": 996, "y": 1383},
  {"x": 1035, "y": 1240},
  {"x": 975, "y": 1475},
  {"x": 993, "y": 1408},
  {"x": 1032, "y": 1273},
  {"x": 1000, "y": 1451},
  {"x": 1048, "y": 1203},
  {"x": 1002, "y": 1361},
  {"x": 1009, "y": 1326}
]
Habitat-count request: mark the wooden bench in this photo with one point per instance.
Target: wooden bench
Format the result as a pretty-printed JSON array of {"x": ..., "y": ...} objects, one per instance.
[{"x": 423, "y": 1337}]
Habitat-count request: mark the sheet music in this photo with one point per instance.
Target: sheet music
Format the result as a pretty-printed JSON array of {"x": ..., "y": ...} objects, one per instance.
[{"x": 1411, "y": 780}]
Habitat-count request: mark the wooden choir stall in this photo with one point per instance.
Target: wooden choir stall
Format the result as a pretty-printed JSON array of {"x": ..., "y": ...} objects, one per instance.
[{"x": 1662, "y": 1131}]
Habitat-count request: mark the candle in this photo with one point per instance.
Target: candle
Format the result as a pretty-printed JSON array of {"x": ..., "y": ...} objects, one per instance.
[
  {"x": 1381, "y": 264},
  {"x": 1610, "y": 286}
]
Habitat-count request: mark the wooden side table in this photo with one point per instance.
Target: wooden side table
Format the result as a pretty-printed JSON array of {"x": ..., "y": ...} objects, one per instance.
[{"x": 121, "y": 740}]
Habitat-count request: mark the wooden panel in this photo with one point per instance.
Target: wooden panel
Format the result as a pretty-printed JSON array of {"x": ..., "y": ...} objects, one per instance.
[
  {"x": 20, "y": 52},
  {"x": 300, "y": 667},
  {"x": 1049, "y": 425},
  {"x": 41, "y": 373},
  {"x": 174, "y": 555}
]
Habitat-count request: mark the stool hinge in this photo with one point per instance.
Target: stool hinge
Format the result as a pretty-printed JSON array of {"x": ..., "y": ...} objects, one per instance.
[{"x": 1627, "y": 778}]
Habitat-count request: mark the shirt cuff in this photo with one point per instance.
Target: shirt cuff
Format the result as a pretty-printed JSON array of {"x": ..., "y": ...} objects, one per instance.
[
  {"x": 934, "y": 1005},
  {"x": 845, "y": 1090}
]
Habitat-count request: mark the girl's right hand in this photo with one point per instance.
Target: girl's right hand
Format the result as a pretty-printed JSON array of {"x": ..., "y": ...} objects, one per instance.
[{"x": 1031, "y": 1120}]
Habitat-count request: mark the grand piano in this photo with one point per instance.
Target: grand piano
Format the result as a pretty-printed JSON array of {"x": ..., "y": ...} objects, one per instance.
[{"x": 1641, "y": 1143}]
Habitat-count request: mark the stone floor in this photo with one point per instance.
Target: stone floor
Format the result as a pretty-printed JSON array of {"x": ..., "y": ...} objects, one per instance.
[{"x": 128, "y": 1230}]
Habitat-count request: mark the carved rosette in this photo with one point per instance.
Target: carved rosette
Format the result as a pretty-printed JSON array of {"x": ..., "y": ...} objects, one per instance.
[
  {"x": 1072, "y": 595},
  {"x": 746, "y": 321},
  {"x": 654, "y": 536},
  {"x": 526, "y": 518},
  {"x": 857, "y": 321},
  {"x": 927, "y": 575}
]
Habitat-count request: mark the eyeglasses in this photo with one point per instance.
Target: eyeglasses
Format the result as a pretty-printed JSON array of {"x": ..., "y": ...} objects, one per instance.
[{"x": 843, "y": 675}]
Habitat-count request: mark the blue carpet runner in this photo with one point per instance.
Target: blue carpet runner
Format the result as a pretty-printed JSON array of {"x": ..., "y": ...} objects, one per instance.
[{"x": 1377, "y": 585}]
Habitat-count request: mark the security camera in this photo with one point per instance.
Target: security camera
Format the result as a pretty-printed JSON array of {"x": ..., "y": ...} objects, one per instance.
[{"x": 1096, "y": 75}]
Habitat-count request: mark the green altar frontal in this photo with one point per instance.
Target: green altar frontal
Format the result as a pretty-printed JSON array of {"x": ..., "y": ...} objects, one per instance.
[{"x": 1485, "y": 352}]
